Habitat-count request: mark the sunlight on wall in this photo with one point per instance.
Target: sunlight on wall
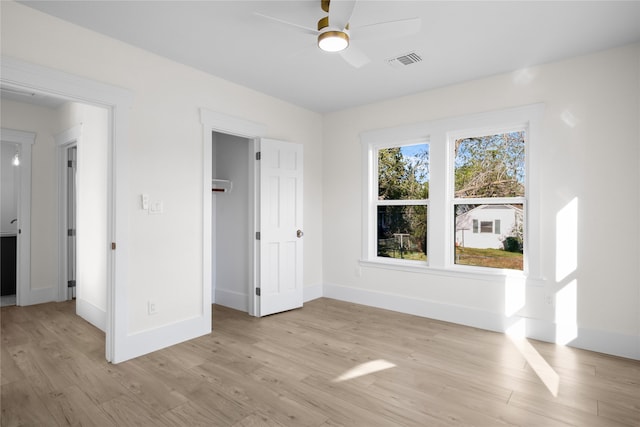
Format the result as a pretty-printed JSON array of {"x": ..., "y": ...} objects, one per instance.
[
  {"x": 567, "y": 240},
  {"x": 365, "y": 369},
  {"x": 545, "y": 372},
  {"x": 567, "y": 313},
  {"x": 523, "y": 77},
  {"x": 514, "y": 295},
  {"x": 567, "y": 264},
  {"x": 569, "y": 118}
]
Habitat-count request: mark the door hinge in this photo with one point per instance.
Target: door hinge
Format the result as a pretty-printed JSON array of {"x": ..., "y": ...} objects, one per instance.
[
  {"x": 113, "y": 246},
  {"x": 258, "y": 291},
  {"x": 70, "y": 163},
  {"x": 71, "y": 232},
  {"x": 258, "y": 155},
  {"x": 71, "y": 284},
  {"x": 257, "y": 235}
]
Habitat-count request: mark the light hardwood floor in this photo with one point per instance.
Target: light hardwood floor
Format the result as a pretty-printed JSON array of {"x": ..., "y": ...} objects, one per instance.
[{"x": 289, "y": 369}]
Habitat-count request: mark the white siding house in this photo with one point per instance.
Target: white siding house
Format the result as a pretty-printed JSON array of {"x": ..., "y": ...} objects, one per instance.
[{"x": 486, "y": 226}]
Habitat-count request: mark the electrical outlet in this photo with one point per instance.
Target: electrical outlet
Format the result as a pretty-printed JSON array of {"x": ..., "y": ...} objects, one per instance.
[{"x": 151, "y": 307}]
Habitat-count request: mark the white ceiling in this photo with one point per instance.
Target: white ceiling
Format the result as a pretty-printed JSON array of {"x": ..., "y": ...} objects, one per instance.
[{"x": 458, "y": 41}]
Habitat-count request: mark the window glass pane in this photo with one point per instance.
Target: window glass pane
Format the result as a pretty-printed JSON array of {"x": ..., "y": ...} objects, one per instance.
[
  {"x": 490, "y": 166},
  {"x": 486, "y": 227},
  {"x": 488, "y": 249},
  {"x": 402, "y": 232},
  {"x": 403, "y": 172}
]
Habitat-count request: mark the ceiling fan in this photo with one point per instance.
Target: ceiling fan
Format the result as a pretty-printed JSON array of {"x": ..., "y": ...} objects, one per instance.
[{"x": 334, "y": 34}]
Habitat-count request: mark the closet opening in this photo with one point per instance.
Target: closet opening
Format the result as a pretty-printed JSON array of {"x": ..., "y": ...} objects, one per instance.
[{"x": 233, "y": 221}]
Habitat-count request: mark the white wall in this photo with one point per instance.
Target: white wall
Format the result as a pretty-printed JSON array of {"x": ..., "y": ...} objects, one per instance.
[
  {"x": 231, "y": 217},
  {"x": 165, "y": 149},
  {"x": 44, "y": 260},
  {"x": 589, "y": 152},
  {"x": 92, "y": 238}
]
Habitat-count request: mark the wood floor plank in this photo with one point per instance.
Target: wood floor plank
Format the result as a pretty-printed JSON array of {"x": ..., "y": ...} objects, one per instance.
[
  {"x": 126, "y": 410},
  {"x": 156, "y": 395},
  {"x": 22, "y": 406},
  {"x": 71, "y": 406},
  {"x": 10, "y": 371},
  {"x": 624, "y": 414}
]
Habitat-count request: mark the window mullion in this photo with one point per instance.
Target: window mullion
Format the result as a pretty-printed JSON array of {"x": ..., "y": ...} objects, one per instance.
[
  {"x": 489, "y": 200},
  {"x": 419, "y": 202}
]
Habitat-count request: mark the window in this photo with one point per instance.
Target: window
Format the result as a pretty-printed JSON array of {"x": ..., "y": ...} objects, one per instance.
[
  {"x": 461, "y": 187},
  {"x": 402, "y": 201},
  {"x": 489, "y": 171}
]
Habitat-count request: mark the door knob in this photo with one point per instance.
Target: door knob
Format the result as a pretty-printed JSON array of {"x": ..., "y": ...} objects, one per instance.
[{"x": 299, "y": 233}]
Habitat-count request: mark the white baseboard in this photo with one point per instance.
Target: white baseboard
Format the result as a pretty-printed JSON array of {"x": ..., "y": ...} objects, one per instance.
[
  {"x": 309, "y": 293},
  {"x": 92, "y": 314},
  {"x": 588, "y": 339},
  {"x": 152, "y": 340},
  {"x": 38, "y": 296},
  {"x": 232, "y": 299}
]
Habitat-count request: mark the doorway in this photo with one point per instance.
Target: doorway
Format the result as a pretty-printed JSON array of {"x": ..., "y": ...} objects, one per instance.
[
  {"x": 26, "y": 77},
  {"x": 16, "y": 214},
  {"x": 256, "y": 224},
  {"x": 10, "y": 186},
  {"x": 232, "y": 192}
]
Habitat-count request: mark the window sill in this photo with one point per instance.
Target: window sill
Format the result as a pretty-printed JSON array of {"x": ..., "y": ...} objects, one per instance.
[{"x": 475, "y": 273}]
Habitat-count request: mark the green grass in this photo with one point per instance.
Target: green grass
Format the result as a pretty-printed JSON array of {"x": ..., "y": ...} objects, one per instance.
[{"x": 495, "y": 258}]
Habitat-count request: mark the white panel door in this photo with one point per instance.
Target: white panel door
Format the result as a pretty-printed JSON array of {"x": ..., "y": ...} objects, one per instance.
[{"x": 280, "y": 277}]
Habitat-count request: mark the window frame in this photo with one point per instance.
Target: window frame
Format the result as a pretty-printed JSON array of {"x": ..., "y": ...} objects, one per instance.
[
  {"x": 440, "y": 213},
  {"x": 452, "y": 137},
  {"x": 370, "y": 250}
]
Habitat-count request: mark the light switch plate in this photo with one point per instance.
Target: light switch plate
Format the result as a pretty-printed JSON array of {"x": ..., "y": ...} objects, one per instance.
[{"x": 156, "y": 207}]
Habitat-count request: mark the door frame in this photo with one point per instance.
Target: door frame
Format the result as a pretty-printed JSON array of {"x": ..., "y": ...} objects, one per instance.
[
  {"x": 221, "y": 123},
  {"x": 24, "y": 141},
  {"x": 22, "y": 75},
  {"x": 63, "y": 141}
]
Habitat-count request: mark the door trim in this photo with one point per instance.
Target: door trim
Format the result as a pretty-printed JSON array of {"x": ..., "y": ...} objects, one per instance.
[
  {"x": 221, "y": 123},
  {"x": 23, "y": 273},
  {"x": 63, "y": 141},
  {"x": 27, "y": 76}
]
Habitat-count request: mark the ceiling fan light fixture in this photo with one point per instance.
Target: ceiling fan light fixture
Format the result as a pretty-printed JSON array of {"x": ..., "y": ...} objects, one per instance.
[{"x": 333, "y": 41}]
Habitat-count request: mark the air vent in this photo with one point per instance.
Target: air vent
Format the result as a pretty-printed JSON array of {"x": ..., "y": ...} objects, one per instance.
[{"x": 404, "y": 60}]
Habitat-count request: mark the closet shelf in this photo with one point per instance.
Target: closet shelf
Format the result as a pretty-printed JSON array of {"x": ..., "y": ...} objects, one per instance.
[{"x": 221, "y": 185}]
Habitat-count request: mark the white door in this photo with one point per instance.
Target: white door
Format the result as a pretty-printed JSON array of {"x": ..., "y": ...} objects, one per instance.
[{"x": 280, "y": 255}]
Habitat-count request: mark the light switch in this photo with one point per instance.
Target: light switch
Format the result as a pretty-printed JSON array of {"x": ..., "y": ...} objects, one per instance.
[{"x": 144, "y": 201}]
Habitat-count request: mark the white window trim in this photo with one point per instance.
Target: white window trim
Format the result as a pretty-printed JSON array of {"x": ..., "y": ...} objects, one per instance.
[
  {"x": 438, "y": 134},
  {"x": 371, "y": 203}
]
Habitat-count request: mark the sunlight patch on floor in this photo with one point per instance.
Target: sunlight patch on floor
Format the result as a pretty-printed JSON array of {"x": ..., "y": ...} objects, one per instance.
[
  {"x": 545, "y": 372},
  {"x": 365, "y": 369}
]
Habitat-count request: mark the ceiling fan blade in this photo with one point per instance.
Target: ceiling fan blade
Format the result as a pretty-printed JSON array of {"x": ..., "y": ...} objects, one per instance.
[
  {"x": 387, "y": 30},
  {"x": 340, "y": 12},
  {"x": 300, "y": 28},
  {"x": 355, "y": 57}
]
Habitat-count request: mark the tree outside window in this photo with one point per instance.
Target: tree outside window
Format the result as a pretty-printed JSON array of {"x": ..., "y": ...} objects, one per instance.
[
  {"x": 403, "y": 193},
  {"x": 489, "y": 196}
]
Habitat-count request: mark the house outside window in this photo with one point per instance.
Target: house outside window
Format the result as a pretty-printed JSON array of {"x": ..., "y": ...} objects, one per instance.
[
  {"x": 472, "y": 205},
  {"x": 489, "y": 173}
]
